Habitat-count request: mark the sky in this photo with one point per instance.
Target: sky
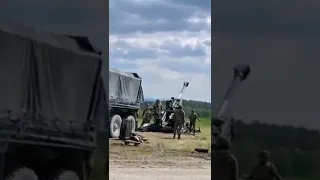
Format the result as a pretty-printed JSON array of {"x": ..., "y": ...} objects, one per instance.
[
  {"x": 72, "y": 17},
  {"x": 280, "y": 40},
  {"x": 166, "y": 42}
]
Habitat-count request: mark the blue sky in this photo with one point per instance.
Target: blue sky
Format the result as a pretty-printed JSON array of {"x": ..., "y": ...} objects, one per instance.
[{"x": 166, "y": 42}]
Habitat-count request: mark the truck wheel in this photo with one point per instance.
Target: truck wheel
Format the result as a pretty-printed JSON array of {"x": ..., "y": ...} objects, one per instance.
[
  {"x": 22, "y": 174},
  {"x": 133, "y": 120},
  {"x": 115, "y": 124},
  {"x": 67, "y": 175}
]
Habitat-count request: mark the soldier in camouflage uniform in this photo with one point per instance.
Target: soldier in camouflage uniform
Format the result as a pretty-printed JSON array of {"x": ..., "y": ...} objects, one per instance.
[
  {"x": 147, "y": 115},
  {"x": 224, "y": 164},
  {"x": 148, "y": 108},
  {"x": 178, "y": 120},
  {"x": 193, "y": 117},
  {"x": 265, "y": 170},
  {"x": 157, "y": 109},
  {"x": 172, "y": 100}
]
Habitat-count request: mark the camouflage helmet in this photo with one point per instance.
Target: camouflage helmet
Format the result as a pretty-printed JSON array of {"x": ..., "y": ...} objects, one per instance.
[
  {"x": 157, "y": 101},
  {"x": 179, "y": 106},
  {"x": 192, "y": 110},
  {"x": 223, "y": 143},
  {"x": 264, "y": 153}
]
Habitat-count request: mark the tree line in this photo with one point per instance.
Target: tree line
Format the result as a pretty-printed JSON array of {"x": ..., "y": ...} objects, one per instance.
[
  {"x": 203, "y": 109},
  {"x": 294, "y": 150}
]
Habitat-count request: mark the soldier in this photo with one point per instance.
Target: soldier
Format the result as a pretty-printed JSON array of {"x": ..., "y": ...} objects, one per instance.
[
  {"x": 170, "y": 109},
  {"x": 193, "y": 117},
  {"x": 224, "y": 164},
  {"x": 148, "y": 107},
  {"x": 157, "y": 109},
  {"x": 265, "y": 169},
  {"x": 178, "y": 120},
  {"x": 172, "y": 100},
  {"x": 147, "y": 115}
]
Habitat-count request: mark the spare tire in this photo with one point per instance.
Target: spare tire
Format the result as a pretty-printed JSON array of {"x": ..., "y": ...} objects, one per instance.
[
  {"x": 115, "y": 124},
  {"x": 22, "y": 174},
  {"x": 132, "y": 121},
  {"x": 66, "y": 175}
]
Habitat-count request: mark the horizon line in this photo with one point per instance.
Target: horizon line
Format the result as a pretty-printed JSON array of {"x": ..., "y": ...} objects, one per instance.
[{"x": 151, "y": 98}]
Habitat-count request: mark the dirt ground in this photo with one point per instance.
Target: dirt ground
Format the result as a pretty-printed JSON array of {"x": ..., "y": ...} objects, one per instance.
[
  {"x": 161, "y": 158},
  {"x": 159, "y": 174}
]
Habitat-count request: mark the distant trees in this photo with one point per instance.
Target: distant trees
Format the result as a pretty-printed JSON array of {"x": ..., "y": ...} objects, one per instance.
[
  {"x": 295, "y": 150},
  {"x": 203, "y": 109}
]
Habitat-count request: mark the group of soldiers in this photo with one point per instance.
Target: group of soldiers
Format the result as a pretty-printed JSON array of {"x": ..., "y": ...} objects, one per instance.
[
  {"x": 179, "y": 121},
  {"x": 178, "y": 117},
  {"x": 151, "y": 111},
  {"x": 225, "y": 164}
]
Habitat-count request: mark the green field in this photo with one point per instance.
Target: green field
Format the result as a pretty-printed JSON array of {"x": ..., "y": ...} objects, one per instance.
[
  {"x": 205, "y": 123},
  {"x": 203, "y": 138},
  {"x": 168, "y": 146}
]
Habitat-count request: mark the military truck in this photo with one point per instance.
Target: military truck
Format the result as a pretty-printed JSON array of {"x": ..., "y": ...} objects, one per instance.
[
  {"x": 50, "y": 104},
  {"x": 125, "y": 97}
]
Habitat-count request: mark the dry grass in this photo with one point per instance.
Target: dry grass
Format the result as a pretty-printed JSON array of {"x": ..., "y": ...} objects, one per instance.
[{"x": 163, "y": 149}]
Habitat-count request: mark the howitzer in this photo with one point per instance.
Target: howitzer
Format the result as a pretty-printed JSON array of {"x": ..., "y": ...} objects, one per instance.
[
  {"x": 176, "y": 101},
  {"x": 222, "y": 125},
  {"x": 163, "y": 121}
]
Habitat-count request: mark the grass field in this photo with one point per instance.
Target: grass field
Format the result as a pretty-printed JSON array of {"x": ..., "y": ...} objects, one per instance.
[
  {"x": 165, "y": 152},
  {"x": 162, "y": 154},
  {"x": 162, "y": 146},
  {"x": 185, "y": 145}
]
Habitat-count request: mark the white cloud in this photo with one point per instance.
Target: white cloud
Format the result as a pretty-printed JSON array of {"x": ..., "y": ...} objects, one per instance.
[{"x": 165, "y": 48}]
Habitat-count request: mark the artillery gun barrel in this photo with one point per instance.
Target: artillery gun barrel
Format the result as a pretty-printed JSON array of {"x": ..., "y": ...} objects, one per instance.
[
  {"x": 175, "y": 102},
  {"x": 184, "y": 86},
  {"x": 241, "y": 73}
]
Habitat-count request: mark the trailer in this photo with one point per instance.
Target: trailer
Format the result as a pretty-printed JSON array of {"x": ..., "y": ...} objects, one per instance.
[{"x": 125, "y": 97}]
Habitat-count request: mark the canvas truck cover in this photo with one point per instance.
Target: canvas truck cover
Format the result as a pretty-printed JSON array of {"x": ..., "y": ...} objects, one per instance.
[
  {"x": 49, "y": 84},
  {"x": 125, "y": 88}
]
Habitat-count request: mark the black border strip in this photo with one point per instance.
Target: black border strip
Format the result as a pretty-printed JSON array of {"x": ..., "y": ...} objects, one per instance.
[
  {"x": 103, "y": 144},
  {"x": 212, "y": 81}
]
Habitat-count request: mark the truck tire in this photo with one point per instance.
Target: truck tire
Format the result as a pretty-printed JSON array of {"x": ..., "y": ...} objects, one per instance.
[
  {"x": 22, "y": 174},
  {"x": 131, "y": 118},
  {"x": 67, "y": 175},
  {"x": 115, "y": 124}
]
